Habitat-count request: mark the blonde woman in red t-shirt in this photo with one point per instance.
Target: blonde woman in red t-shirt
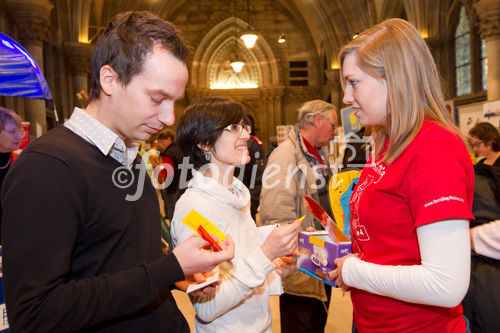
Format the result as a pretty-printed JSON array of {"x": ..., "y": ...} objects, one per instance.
[{"x": 412, "y": 205}]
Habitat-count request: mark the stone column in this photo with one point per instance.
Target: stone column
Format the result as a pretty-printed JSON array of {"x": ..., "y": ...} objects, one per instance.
[
  {"x": 489, "y": 28},
  {"x": 78, "y": 55},
  {"x": 32, "y": 19},
  {"x": 333, "y": 76},
  {"x": 268, "y": 116},
  {"x": 272, "y": 101}
]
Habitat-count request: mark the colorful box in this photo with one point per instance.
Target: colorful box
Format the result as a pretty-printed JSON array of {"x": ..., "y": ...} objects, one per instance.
[{"x": 317, "y": 253}]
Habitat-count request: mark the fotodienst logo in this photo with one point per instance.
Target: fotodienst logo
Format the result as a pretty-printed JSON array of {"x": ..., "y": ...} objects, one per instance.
[{"x": 276, "y": 174}]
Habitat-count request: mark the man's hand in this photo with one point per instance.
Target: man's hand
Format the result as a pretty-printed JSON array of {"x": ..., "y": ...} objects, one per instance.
[
  {"x": 195, "y": 255},
  {"x": 281, "y": 241},
  {"x": 336, "y": 275}
]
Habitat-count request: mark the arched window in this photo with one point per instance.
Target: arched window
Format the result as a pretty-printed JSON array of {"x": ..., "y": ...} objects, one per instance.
[
  {"x": 463, "y": 55},
  {"x": 484, "y": 66}
]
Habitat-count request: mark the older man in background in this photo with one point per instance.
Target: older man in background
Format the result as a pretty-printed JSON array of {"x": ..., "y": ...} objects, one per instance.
[{"x": 297, "y": 167}]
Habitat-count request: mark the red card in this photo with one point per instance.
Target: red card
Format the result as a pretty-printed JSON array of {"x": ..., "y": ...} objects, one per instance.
[
  {"x": 321, "y": 215},
  {"x": 206, "y": 236}
]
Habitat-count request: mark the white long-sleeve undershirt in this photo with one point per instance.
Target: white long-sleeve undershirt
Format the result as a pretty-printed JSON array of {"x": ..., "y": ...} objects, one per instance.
[{"x": 442, "y": 278}]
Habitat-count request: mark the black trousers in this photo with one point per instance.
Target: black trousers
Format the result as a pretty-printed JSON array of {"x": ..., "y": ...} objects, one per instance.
[
  {"x": 304, "y": 314},
  {"x": 482, "y": 302}
]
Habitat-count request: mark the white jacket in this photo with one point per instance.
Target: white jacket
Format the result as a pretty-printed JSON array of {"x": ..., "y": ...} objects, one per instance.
[{"x": 241, "y": 302}]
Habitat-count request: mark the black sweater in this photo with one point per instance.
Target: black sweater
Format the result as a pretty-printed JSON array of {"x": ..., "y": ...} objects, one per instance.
[{"x": 77, "y": 255}]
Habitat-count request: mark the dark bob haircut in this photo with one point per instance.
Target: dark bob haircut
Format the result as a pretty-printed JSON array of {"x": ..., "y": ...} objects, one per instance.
[
  {"x": 203, "y": 123},
  {"x": 127, "y": 41}
]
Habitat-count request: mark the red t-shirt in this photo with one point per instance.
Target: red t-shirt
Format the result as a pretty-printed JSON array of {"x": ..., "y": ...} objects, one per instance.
[{"x": 432, "y": 180}]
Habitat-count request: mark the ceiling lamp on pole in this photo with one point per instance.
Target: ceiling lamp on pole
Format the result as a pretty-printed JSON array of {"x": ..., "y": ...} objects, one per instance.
[{"x": 249, "y": 38}]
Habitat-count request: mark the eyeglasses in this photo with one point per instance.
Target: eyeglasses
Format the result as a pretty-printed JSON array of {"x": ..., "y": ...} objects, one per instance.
[
  {"x": 475, "y": 144},
  {"x": 15, "y": 131},
  {"x": 334, "y": 125},
  {"x": 237, "y": 128}
]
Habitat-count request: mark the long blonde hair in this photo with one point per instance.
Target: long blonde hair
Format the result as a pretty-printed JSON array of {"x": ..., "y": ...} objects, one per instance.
[{"x": 395, "y": 51}]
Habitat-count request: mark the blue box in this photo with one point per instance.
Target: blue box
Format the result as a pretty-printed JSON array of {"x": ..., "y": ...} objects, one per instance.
[{"x": 317, "y": 253}]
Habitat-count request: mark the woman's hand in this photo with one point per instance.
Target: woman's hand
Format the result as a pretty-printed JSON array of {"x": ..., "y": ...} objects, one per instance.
[
  {"x": 284, "y": 265},
  {"x": 336, "y": 275},
  {"x": 281, "y": 241},
  {"x": 198, "y": 278}
]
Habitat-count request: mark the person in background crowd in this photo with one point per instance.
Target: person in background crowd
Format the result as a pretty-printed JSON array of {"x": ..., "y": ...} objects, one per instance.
[
  {"x": 81, "y": 223},
  {"x": 273, "y": 143},
  {"x": 485, "y": 140},
  {"x": 298, "y": 167},
  {"x": 156, "y": 159},
  {"x": 165, "y": 139},
  {"x": 213, "y": 133},
  {"x": 172, "y": 156},
  {"x": 159, "y": 145},
  {"x": 11, "y": 132},
  {"x": 482, "y": 301},
  {"x": 411, "y": 208},
  {"x": 253, "y": 170}
]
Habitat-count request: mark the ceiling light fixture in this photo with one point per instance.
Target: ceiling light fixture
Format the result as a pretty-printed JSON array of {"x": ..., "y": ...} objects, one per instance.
[
  {"x": 237, "y": 65},
  {"x": 235, "y": 62},
  {"x": 249, "y": 37},
  {"x": 282, "y": 38}
]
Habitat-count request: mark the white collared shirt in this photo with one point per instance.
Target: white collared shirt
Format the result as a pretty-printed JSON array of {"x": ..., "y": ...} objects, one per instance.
[{"x": 108, "y": 142}]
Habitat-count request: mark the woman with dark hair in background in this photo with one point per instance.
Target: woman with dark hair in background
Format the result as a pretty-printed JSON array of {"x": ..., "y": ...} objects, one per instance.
[
  {"x": 213, "y": 133},
  {"x": 485, "y": 140}
]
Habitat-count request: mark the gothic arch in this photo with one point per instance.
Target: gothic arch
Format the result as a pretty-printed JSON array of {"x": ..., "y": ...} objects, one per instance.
[
  {"x": 453, "y": 11},
  {"x": 212, "y": 55}
]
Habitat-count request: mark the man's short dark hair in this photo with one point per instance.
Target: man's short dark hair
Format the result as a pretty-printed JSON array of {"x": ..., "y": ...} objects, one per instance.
[{"x": 127, "y": 41}]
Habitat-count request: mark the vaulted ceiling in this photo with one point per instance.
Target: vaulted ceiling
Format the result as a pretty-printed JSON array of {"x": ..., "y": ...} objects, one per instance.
[{"x": 329, "y": 23}]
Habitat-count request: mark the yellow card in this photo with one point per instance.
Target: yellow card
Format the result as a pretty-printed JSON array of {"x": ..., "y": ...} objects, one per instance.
[
  {"x": 195, "y": 219},
  {"x": 340, "y": 183}
]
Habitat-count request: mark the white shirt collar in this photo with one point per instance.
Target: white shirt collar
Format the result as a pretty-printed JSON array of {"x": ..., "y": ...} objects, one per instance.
[{"x": 107, "y": 141}]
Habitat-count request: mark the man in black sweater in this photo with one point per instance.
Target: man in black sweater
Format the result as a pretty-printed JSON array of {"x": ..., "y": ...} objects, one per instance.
[{"x": 81, "y": 223}]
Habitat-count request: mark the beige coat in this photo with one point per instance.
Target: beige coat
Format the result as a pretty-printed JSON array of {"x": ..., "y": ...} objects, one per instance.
[{"x": 287, "y": 178}]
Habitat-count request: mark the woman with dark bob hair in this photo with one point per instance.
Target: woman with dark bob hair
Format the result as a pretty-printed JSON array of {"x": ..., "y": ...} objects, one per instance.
[
  {"x": 485, "y": 140},
  {"x": 213, "y": 133}
]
